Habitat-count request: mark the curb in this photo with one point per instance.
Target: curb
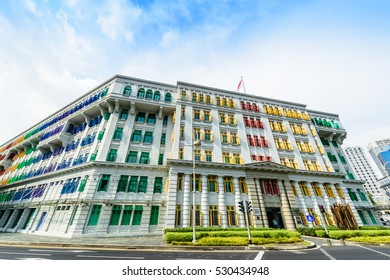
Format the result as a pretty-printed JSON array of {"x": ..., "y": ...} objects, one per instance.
[{"x": 161, "y": 248}]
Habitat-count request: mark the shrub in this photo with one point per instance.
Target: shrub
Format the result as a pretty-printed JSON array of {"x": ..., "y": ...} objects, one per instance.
[
  {"x": 260, "y": 241},
  {"x": 375, "y": 239},
  {"x": 307, "y": 231},
  {"x": 227, "y": 241},
  {"x": 374, "y": 228},
  {"x": 344, "y": 234}
]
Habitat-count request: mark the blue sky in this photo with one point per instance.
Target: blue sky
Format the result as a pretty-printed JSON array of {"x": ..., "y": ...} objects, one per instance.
[{"x": 331, "y": 55}]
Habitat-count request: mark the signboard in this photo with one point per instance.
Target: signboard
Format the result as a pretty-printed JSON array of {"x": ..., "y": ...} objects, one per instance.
[
  {"x": 256, "y": 211},
  {"x": 310, "y": 218}
]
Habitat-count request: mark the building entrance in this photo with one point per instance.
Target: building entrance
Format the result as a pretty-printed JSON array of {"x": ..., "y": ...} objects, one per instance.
[{"x": 274, "y": 218}]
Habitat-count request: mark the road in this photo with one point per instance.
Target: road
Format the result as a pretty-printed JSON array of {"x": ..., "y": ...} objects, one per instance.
[{"x": 320, "y": 253}]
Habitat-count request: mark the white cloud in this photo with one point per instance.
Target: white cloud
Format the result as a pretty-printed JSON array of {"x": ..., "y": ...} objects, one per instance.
[
  {"x": 118, "y": 20},
  {"x": 32, "y": 8},
  {"x": 168, "y": 38}
]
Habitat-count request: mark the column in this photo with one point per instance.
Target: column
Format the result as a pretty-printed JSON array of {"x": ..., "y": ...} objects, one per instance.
[
  {"x": 221, "y": 202},
  {"x": 171, "y": 201},
  {"x": 186, "y": 207},
  {"x": 262, "y": 205},
  {"x": 237, "y": 198},
  {"x": 285, "y": 208},
  {"x": 204, "y": 208},
  {"x": 315, "y": 205},
  {"x": 301, "y": 200}
]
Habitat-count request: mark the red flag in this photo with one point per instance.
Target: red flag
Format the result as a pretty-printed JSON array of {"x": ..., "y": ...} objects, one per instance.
[{"x": 239, "y": 85}]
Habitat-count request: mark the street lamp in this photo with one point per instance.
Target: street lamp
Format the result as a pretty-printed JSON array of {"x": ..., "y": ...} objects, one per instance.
[{"x": 194, "y": 144}]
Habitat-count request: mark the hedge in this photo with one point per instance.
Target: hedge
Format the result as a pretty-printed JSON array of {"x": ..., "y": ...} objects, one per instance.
[
  {"x": 200, "y": 229},
  {"x": 372, "y": 239},
  {"x": 344, "y": 234},
  {"x": 172, "y": 237}
]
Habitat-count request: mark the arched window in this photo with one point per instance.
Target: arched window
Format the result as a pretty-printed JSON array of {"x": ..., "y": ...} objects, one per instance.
[
  {"x": 183, "y": 95},
  {"x": 70, "y": 128},
  {"x": 127, "y": 90},
  {"x": 149, "y": 94},
  {"x": 141, "y": 93},
  {"x": 168, "y": 97},
  {"x": 156, "y": 96}
]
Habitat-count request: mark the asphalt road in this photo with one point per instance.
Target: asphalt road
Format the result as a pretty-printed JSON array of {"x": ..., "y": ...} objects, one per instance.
[{"x": 358, "y": 252}]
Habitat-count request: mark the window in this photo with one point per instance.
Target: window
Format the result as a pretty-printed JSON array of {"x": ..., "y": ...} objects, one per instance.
[
  {"x": 207, "y": 116},
  {"x": 181, "y": 153},
  {"x": 115, "y": 215},
  {"x": 158, "y": 185},
  {"x": 226, "y": 157},
  {"x": 140, "y": 117},
  {"x": 212, "y": 184},
  {"x": 197, "y": 215},
  {"x": 224, "y": 137},
  {"x": 228, "y": 185},
  {"x": 168, "y": 97},
  {"x": 144, "y": 158},
  {"x": 179, "y": 185},
  {"x": 178, "y": 215},
  {"x": 339, "y": 191},
  {"x": 196, "y": 114},
  {"x": 328, "y": 190},
  {"x": 231, "y": 216},
  {"x": 124, "y": 114},
  {"x": 207, "y": 135},
  {"x": 182, "y": 132},
  {"x": 156, "y": 96},
  {"x": 111, "y": 156},
  {"x": 137, "y": 215},
  {"x": 234, "y": 138},
  {"x": 143, "y": 184},
  {"x": 183, "y": 112},
  {"x": 118, "y": 133},
  {"x": 198, "y": 183},
  {"x": 361, "y": 215},
  {"x": 126, "y": 217},
  {"x": 304, "y": 189},
  {"x": 197, "y": 134},
  {"x": 209, "y": 155},
  {"x": 197, "y": 155},
  {"x": 154, "y": 215},
  {"x": 94, "y": 217},
  {"x": 151, "y": 119},
  {"x": 132, "y": 157},
  {"x": 352, "y": 195},
  {"x": 194, "y": 97},
  {"x": 148, "y": 138},
  {"x": 213, "y": 216},
  {"x": 149, "y": 94},
  {"x": 316, "y": 189},
  {"x": 362, "y": 195},
  {"x": 103, "y": 183},
  {"x": 127, "y": 90},
  {"x": 136, "y": 136},
  {"x": 373, "y": 220},
  {"x": 163, "y": 136},
  {"x": 133, "y": 184},
  {"x": 165, "y": 121},
  {"x": 122, "y": 184},
  {"x": 141, "y": 93},
  {"x": 160, "y": 159},
  {"x": 237, "y": 158},
  {"x": 242, "y": 185},
  {"x": 222, "y": 118},
  {"x": 183, "y": 95}
]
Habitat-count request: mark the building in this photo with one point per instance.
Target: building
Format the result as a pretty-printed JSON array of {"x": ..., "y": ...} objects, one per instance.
[
  {"x": 375, "y": 149},
  {"x": 363, "y": 170},
  {"x": 120, "y": 161}
]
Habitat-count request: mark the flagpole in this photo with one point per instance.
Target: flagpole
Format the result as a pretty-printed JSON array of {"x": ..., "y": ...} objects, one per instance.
[{"x": 243, "y": 85}]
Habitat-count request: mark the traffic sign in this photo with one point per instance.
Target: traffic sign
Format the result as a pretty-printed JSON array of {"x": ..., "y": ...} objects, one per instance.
[{"x": 310, "y": 218}]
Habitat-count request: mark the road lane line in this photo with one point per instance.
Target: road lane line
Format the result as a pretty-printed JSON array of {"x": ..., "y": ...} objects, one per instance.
[
  {"x": 109, "y": 257},
  {"x": 61, "y": 251},
  {"x": 379, "y": 252},
  {"x": 25, "y": 253},
  {"x": 327, "y": 254},
  {"x": 259, "y": 256}
]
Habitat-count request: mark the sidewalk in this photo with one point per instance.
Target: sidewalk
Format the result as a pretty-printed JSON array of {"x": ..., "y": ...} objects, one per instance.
[{"x": 135, "y": 243}]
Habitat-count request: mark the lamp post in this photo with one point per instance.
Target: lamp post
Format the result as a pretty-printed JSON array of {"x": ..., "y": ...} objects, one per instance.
[{"x": 194, "y": 144}]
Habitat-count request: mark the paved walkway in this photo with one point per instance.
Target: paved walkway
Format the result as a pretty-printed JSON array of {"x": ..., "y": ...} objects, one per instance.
[{"x": 139, "y": 242}]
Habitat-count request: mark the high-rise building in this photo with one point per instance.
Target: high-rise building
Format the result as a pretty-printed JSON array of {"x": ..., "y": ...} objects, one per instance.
[
  {"x": 379, "y": 151},
  {"x": 364, "y": 171},
  {"x": 133, "y": 157}
]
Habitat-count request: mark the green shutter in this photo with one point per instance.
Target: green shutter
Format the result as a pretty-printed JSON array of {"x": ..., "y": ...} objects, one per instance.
[
  {"x": 154, "y": 215},
  {"x": 103, "y": 183},
  {"x": 83, "y": 184},
  {"x": 137, "y": 215},
  {"x": 143, "y": 184},
  {"x": 94, "y": 217},
  {"x": 372, "y": 217},
  {"x": 122, "y": 184},
  {"x": 158, "y": 185},
  {"x": 126, "y": 217},
  {"x": 362, "y": 217},
  {"x": 133, "y": 184},
  {"x": 115, "y": 215}
]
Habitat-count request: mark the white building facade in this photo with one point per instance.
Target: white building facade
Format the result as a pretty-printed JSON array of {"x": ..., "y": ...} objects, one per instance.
[{"x": 119, "y": 162}]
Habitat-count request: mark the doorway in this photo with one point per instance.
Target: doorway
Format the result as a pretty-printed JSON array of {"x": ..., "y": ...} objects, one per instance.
[{"x": 274, "y": 218}]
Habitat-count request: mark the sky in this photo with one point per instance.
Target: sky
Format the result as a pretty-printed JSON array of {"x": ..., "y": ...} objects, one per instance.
[{"x": 332, "y": 55}]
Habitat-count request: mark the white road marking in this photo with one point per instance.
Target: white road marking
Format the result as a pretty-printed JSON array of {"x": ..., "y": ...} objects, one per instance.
[
  {"x": 299, "y": 252},
  {"x": 110, "y": 257},
  {"x": 327, "y": 254},
  {"x": 62, "y": 251},
  {"x": 259, "y": 256},
  {"x": 25, "y": 253},
  {"x": 34, "y": 259},
  {"x": 372, "y": 250}
]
